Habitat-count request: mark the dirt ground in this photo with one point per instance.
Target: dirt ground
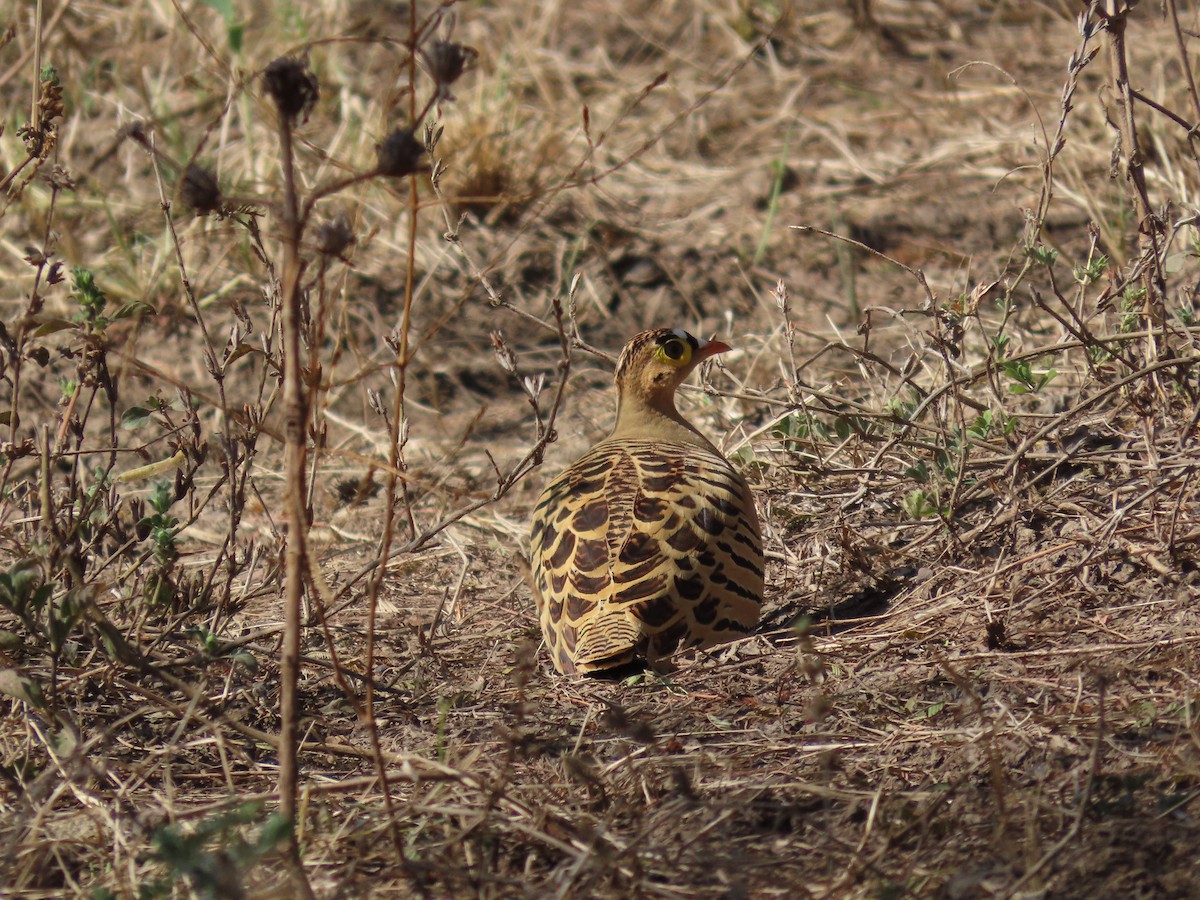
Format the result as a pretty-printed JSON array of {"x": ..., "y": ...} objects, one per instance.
[{"x": 964, "y": 390}]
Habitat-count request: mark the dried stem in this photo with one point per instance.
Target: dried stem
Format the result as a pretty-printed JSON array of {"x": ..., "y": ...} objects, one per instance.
[
  {"x": 1115, "y": 15},
  {"x": 295, "y": 402}
]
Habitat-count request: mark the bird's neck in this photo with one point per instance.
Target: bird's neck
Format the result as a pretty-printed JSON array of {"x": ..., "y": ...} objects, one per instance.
[{"x": 653, "y": 418}]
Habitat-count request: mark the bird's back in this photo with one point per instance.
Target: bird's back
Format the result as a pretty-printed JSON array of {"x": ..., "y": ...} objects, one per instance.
[{"x": 641, "y": 548}]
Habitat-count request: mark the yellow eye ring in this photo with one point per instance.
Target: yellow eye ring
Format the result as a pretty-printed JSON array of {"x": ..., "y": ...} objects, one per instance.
[{"x": 674, "y": 352}]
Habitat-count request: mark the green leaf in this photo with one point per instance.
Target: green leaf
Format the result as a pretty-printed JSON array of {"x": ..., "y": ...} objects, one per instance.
[
  {"x": 919, "y": 472},
  {"x": 135, "y": 309},
  {"x": 41, "y": 596},
  {"x": 10, "y": 641},
  {"x": 16, "y": 685},
  {"x": 135, "y": 417},
  {"x": 16, "y": 585},
  {"x": 51, "y": 326}
]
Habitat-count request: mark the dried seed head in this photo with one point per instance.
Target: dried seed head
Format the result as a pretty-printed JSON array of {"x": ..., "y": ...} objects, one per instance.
[
  {"x": 781, "y": 295},
  {"x": 504, "y": 354},
  {"x": 335, "y": 235},
  {"x": 447, "y": 61},
  {"x": 399, "y": 154},
  {"x": 59, "y": 179},
  {"x": 292, "y": 85},
  {"x": 50, "y": 105},
  {"x": 199, "y": 190},
  {"x": 40, "y": 135},
  {"x": 135, "y": 131}
]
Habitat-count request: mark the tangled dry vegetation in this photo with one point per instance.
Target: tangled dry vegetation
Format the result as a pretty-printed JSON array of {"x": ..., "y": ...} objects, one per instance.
[{"x": 966, "y": 394}]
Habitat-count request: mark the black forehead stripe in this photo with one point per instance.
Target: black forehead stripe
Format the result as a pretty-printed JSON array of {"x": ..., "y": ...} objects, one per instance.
[{"x": 676, "y": 334}]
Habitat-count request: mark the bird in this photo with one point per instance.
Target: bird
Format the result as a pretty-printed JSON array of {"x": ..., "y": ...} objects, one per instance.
[{"x": 648, "y": 544}]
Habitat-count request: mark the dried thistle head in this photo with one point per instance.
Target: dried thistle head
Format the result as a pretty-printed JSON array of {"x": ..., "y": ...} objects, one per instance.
[
  {"x": 399, "y": 154},
  {"x": 136, "y": 131},
  {"x": 290, "y": 82},
  {"x": 334, "y": 236},
  {"x": 446, "y": 61},
  {"x": 199, "y": 190}
]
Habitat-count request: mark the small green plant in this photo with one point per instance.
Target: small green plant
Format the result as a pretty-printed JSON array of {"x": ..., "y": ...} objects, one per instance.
[
  {"x": 215, "y": 857},
  {"x": 61, "y": 621},
  {"x": 1025, "y": 379},
  {"x": 91, "y": 299},
  {"x": 1132, "y": 300},
  {"x": 1092, "y": 271},
  {"x": 948, "y": 460},
  {"x": 48, "y": 621},
  {"x": 1043, "y": 255},
  {"x": 921, "y": 505},
  {"x": 901, "y": 409},
  {"x": 161, "y": 527},
  {"x": 212, "y": 647},
  {"x": 800, "y": 427},
  {"x": 23, "y": 596},
  {"x": 982, "y": 426},
  {"x": 987, "y": 422}
]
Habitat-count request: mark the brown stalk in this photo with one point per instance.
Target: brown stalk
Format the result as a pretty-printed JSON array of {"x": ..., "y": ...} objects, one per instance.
[
  {"x": 295, "y": 514},
  {"x": 395, "y": 465},
  {"x": 1115, "y": 15}
]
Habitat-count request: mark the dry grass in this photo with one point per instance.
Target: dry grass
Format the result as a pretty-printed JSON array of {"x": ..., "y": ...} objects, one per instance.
[{"x": 973, "y": 442}]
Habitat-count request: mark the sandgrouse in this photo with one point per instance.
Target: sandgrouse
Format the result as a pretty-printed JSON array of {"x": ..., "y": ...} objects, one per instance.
[{"x": 649, "y": 544}]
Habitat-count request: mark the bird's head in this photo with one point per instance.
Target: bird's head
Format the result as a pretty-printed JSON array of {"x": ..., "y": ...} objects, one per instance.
[{"x": 654, "y": 363}]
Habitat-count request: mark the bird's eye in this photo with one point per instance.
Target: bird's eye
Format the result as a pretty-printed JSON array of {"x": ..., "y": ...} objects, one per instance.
[{"x": 674, "y": 349}]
